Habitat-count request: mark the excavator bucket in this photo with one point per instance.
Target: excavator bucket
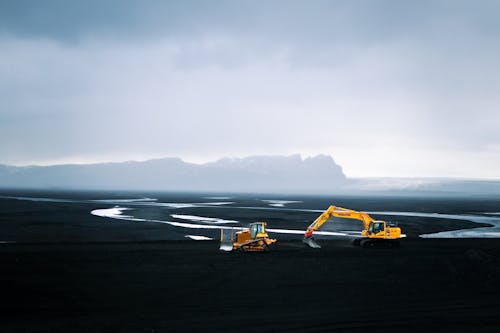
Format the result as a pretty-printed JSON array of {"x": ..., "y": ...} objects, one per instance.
[
  {"x": 309, "y": 241},
  {"x": 226, "y": 240}
]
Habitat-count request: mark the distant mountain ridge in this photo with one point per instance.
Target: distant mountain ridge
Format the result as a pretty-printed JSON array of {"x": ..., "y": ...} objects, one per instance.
[
  {"x": 319, "y": 174},
  {"x": 254, "y": 174}
]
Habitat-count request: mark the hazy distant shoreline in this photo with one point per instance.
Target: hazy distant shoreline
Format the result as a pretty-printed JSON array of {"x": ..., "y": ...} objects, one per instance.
[{"x": 255, "y": 174}]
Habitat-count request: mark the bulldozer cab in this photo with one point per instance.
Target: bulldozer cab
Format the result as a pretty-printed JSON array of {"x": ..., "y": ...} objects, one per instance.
[{"x": 256, "y": 229}]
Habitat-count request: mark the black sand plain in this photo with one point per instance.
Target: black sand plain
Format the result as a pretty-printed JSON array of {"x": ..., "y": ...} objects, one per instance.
[{"x": 70, "y": 272}]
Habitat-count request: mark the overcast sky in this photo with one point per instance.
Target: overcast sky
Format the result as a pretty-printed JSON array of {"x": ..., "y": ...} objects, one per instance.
[{"x": 388, "y": 88}]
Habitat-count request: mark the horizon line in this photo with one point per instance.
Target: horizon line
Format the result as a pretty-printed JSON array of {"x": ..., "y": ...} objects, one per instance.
[{"x": 207, "y": 161}]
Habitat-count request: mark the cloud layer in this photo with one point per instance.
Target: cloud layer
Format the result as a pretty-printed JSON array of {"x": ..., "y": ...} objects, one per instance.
[{"x": 386, "y": 87}]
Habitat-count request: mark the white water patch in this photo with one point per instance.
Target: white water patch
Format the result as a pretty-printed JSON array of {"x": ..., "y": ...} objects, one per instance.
[
  {"x": 484, "y": 232},
  {"x": 280, "y": 209},
  {"x": 195, "y": 226},
  {"x": 115, "y": 213},
  {"x": 154, "y": 203},
  {"x": 279, "y": 203},
  {"x": 36, "y": 199},
  {"x": 222, "y": 203},
  {"x": 488, "y": 232},
  {"x": 302, "y": 232},
  {"x": 176, "y": 205},
  {"x": 464, "y": 217},
  {"x": 198, "y": 238},
  {"x": 202, "y": 219},
  {"x": 118, "y": 201}
]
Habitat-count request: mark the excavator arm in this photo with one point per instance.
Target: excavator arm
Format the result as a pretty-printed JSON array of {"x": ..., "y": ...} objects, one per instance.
[{"x": 334, "y": 211}]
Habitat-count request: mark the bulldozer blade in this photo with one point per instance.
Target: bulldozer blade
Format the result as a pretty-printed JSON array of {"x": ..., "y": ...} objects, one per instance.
[
  {"x": 311, "y": 243},
  {"x": 226, "y": 246}
]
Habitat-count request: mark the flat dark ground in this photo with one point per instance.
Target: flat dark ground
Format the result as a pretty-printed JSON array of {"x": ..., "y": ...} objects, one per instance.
[
  {"x": 426, "y": 284},
  {"x": 70, "y": 271}
]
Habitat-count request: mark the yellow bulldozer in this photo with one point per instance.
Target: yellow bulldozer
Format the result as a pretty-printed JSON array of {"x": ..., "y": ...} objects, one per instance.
[
  {"x": 374, "y": 232},
  {"x": 253, "y": 239}
]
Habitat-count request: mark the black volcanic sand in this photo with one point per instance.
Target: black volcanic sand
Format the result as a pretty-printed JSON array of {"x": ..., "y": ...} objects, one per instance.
[
  {"x": 74, "y": 272},
  {"x": 427, "y": 284}
]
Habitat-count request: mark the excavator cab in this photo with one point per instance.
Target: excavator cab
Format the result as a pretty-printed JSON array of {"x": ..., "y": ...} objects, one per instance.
[
  {"x": 381, "y": 229},
  {"x": 376, "y": 227}
]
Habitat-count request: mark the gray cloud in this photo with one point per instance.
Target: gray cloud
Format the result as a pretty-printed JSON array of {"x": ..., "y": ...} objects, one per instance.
[
  {"x": 411, "y": 87},
  {"x": 290, "y": 21}
]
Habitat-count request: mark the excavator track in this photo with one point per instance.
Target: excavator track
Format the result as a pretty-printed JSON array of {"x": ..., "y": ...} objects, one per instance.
[
  {"x": 379, "y": 243},
  {"x": 360, "y": 242}
]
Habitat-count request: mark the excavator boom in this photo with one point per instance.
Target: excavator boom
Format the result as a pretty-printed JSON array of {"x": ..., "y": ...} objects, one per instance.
[{"x": 334, "y": 211}]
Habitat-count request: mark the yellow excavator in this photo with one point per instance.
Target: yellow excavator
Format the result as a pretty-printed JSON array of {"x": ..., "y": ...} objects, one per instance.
[
  {"x": 374, "y": 232},
  {"x": 253, "y": 239}
]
